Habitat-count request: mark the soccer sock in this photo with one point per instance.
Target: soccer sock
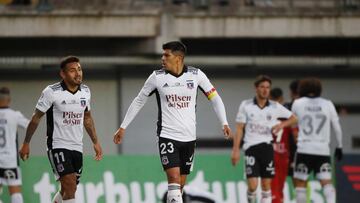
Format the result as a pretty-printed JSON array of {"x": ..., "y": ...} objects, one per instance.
[
  {"x": 57, "y": 198},
  {"x": 174, "y": 193},
  {"x": 329, "y": 193},
  {"x": 266, "y": 196},
  {"x": 251, "y": 196},
  {"x": 17, "y": 198},
  {"x": 69, "y": 201},
  {"x": 300, "y": 195}
]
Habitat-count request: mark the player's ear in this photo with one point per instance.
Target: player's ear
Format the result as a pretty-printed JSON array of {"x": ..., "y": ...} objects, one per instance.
[{"x": 62, "y": 74}]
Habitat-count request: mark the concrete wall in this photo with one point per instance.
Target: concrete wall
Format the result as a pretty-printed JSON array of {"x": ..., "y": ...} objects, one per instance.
[{"x": 167, "y": 26}]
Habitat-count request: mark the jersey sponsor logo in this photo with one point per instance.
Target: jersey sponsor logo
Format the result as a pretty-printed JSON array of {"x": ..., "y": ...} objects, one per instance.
[
  {"x": 72, "y": 118},
  {"x": 178, "y": 102},
  {"x": 259, "y": 129}
]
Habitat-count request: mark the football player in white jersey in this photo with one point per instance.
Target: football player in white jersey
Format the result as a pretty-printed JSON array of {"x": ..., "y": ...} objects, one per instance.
[
  {"x": 67, "y": 108},
  {"x": 259, "y": 118},
  {"x": 316, "y": 117},
  {"x": 175, "y": 86},
  {"x": 10, "y": 120}
]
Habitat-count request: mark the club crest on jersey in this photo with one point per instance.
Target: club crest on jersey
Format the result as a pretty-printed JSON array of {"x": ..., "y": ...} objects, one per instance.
[
  {"x": 164, "y": 160},
  {"x": 268, "y": 117},
  {"x": 83, "y": 103},
  {"x": 190, "y": 85},
  {"x": 60, "y": 168}
]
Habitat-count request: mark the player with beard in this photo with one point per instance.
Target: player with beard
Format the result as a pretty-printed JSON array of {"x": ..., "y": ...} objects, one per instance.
[{"x": 67, "y": 108}]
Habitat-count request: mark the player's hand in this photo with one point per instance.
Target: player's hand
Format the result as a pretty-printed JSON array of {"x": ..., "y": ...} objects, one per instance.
[
  {"x": 98, "y": 152},
  {"x": 277, "y": 128},
  {"x": 227, "y": 132},
  {"x": 118, "y": 136},
  {"x": 235, "y": 156},
  {"x": 338, "y": 154},
  {"x": 24, "y": 151}
]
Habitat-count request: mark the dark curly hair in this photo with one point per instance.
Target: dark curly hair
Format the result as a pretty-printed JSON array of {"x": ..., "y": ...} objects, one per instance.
[{"x": 310, "y": 87}]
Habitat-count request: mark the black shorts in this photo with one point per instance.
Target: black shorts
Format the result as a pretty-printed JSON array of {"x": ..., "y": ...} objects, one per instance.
[
  {"x": 259, "y": 161},
  {"x": 10, "y": 176},
  {"x": 177, "y": 154},
  {"x": 64, "y": 161},
  {"x": 305, "y": 164}
]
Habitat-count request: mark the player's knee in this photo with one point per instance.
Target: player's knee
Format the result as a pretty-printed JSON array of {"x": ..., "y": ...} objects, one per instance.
[
  {"x": 325, "y": 182},
  {"x": 252, "y": 187},
  {"x": 300, "y": 183},
  {"x": 69, "y": 191},
  {"x": 68, "y": 186},
  {"x": 173, "y": 178}
]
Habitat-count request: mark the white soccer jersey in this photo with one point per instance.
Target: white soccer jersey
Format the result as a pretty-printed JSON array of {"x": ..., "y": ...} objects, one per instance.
[
  {"x": 10, "y": 120},
  {"x": 64, "y": 115},
  {"x": 176, "y": 98},
  {"x": 259, "y": 121},
  {"x": 315, "y": 115}
]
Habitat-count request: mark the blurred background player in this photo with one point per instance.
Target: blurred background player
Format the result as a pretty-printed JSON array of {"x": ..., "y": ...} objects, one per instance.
[
  {"x": 281, "y": 153},
  {"x": 258, "y": 117},
  {"x": 10, "y": 120},
  {"x": 293, "y": 130},
  {"x": 175, "y": 86},
  {"x": 67, "y": 108},
  {"x": 316, "y": 117}
]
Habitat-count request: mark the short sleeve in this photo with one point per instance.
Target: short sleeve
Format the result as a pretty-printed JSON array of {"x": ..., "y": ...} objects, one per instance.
[
  {"x": 149, "y": 85},
  {"x": 241, "y": 114},
  {"x": 46, "y": 100},
  {"x": 333, "y": 114},
  {"x": 283, "y": 112},
  {"x": 22, "y": 120},
  {"x": 294, "y": 107}
]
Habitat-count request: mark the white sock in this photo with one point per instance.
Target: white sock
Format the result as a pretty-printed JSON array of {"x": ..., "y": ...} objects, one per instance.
[
  {"x": 57, "y": 198},
  {"x": 174, "y": 193},
  {"x": 69, "y": 201},
  {"x": 251, "y": 196},
  {"x": 329, "y": 193},
  {"x": 266, "y": 196},
  {"x": 17, "y": 198},
  {"x": 300, "y": 195}
]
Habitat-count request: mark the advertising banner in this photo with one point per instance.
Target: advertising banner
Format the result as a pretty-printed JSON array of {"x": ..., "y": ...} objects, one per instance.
[{"x": 140, "y": 179}]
